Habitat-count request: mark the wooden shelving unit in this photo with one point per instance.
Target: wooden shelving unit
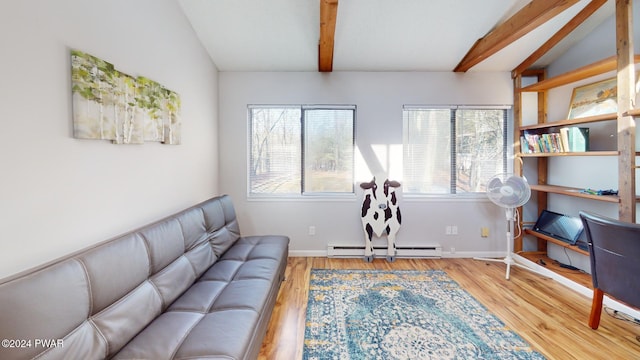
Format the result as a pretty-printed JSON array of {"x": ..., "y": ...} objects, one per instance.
[
  {"x": 543, "y": 189},
  {"x": 591, "y": 70},
  {"x": 624, "y": 152}
]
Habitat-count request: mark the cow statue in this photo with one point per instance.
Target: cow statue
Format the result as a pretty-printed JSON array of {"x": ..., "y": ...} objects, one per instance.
[{"x": 380, "y": 212}]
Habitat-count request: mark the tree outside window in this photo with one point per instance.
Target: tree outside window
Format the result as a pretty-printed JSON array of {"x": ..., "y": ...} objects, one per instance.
[
  {"x": 301, "y": 150},
  {"x": 453, "y": 150}
]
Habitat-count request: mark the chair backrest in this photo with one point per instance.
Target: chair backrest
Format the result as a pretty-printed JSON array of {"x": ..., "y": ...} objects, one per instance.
[{"x": 614, "y": 252}]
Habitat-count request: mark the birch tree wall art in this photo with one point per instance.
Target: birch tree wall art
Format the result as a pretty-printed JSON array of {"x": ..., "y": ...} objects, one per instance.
[{"x": 111, "y": 105}]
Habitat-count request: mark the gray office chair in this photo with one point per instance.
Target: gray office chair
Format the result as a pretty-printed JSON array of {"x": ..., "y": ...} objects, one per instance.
[{"x": 614, "y": 251}]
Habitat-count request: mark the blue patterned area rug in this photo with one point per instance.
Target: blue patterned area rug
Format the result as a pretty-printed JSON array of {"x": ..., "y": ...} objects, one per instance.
[{"x": 369, "y": 314}]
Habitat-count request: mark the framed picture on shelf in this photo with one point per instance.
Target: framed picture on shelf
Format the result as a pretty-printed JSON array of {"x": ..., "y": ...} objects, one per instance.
[{"x": 594, "y": 99}]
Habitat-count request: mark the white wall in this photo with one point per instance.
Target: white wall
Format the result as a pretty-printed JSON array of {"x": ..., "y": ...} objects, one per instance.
[
  {"x": 379, "y": 98},
  {"x": 59, "y": 194}
]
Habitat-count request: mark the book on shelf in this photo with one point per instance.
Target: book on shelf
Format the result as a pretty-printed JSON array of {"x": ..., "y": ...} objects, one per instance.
[
  {"x": 578, "y": 139},
  {"x": 564, "y": 136},
  {"x": 565, "y": 139}
]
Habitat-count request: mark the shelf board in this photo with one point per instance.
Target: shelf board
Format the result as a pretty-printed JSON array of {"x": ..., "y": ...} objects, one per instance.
[
  {"x": 633, "y": 112},
  {"x": 569, "y": 122},
  {"x": 575, "y": 192},
  {"x": 556, "y": 241},
  {"x": 597, "y": 68},
  {"x": 577, "y": 153}
]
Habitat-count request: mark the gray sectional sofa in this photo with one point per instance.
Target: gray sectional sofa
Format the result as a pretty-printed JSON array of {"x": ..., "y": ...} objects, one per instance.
[{"x": 185, "y": 287}]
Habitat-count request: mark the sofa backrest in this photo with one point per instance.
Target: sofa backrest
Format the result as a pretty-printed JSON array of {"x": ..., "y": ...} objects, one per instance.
[{"x": 91, "y": 303}]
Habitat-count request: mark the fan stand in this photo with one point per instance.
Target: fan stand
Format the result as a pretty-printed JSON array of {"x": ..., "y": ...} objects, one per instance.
[{"x": 509, "y": 260}]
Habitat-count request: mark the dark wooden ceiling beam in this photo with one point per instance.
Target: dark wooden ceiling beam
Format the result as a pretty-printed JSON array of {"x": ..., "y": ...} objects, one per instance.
[
  {"x": 532, "y": 15},
  {"x": 557, "y": 37},
  {"x": 328, "y": 15}
]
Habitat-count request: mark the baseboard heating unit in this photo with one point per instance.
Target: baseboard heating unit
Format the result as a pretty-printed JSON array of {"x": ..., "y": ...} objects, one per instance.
[{"x": 422, "y": 251}]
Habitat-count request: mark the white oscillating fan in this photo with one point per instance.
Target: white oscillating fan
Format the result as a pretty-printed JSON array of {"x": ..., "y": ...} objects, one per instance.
[{"x": 509, "y": 192}]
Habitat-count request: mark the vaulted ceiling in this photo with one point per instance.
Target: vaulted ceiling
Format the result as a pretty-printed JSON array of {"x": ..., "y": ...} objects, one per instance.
[{"x": 383, "y": 35}]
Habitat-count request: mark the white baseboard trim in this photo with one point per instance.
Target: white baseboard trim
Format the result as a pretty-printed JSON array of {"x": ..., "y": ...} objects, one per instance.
[
  {"x": 307, "y": 253},
  {"x": 473, "y": 254},
  {"x": 430, "y": 251},
  {"x": 445, "y": 254}
]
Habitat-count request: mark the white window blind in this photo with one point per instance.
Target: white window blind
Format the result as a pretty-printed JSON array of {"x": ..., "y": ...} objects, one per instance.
[
  {"x": 301, "y": 149},
  {"x": 276, "y": 149},
  {"x": 427, "y": 151},
  {"x": 453, "y": 150},
  {"x": 329, "y": 147}
]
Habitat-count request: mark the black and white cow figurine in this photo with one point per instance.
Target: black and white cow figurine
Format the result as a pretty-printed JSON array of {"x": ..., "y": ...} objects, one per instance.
[{"x": 380, "y": 212}]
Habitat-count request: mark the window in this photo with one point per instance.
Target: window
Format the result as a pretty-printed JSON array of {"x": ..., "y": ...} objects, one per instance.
[
  {"x": 301, "y": 150},
  {"x": 453, "y": 150}
]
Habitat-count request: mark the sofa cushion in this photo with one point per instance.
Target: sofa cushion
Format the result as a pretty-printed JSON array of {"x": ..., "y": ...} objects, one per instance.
[
  {"x": 197, "y": 248},
  {"x": 193, "y": 227},
  {"x": 165, "y": 243},
  {"x": 223, "y": 334},
  {"x": 57, "y": 297},
  {"x": 201, "y": 258},
  {"x": 199, "y": 297},
  {"x": 173, "y": 280},
  {"x": 120, "y": 322},
  {"x": 128, "y": 254},
  {"x": 166, "y": 333},
  {"x": 221, "y": 224}
]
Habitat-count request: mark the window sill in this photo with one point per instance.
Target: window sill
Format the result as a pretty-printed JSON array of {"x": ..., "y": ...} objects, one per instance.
[
  {"x": 303, "y": 198},
  {"x": 478, "y": 197}
]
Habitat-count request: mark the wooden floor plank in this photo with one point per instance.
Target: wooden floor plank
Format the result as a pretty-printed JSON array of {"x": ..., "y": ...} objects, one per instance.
[{"x": 550, "y": 316}]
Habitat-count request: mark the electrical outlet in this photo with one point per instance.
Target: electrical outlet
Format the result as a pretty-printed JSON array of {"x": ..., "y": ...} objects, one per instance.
[
  {"x": 454, "y": 229},
  {"x": 448, "y": 230},
  {"x": 453, "y": 250},
  {"x": 312, "y": 230},
  {"x": 484, "y": 232}
]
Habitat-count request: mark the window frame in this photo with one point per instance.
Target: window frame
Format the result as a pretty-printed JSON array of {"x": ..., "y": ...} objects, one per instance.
[
  {"x": 304, "y": 194},
  {"x": 507, "y": 166}
]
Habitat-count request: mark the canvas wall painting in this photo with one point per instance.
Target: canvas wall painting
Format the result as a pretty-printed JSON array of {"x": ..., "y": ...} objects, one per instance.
[
  {"x": 111, "y": 105},
  {"x": 594, "y": 99}
]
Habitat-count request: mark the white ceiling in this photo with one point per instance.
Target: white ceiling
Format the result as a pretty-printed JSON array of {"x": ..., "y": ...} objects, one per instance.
[{"x": 371, "y": 35}]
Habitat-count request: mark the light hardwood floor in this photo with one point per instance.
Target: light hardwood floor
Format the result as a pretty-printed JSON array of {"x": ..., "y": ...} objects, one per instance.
[{"x": 551, "y": 317}]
